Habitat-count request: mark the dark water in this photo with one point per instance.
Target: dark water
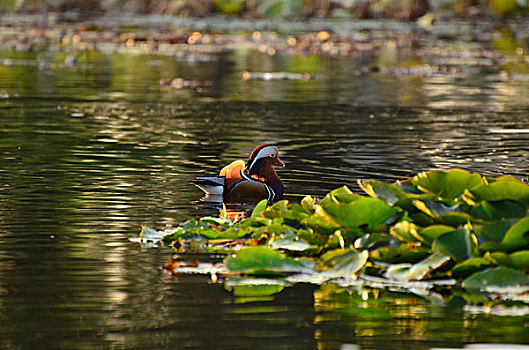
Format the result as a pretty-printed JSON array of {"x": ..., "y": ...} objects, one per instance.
[{"x": 89, "y": 154}]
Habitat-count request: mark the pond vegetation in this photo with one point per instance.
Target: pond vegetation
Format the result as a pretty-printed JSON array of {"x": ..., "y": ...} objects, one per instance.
[{"x": 451, "y": 237}]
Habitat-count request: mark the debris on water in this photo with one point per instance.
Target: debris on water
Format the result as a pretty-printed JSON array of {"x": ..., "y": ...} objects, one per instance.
[
  {"x": 267, "y": 76},
  {"x": 71, "y": 61},
  {"x": 177, "y": 266},
  {"x": 426, "y": 70},
  {"x": 179, "y": 83},
  {"x": 7, "y": 95}
]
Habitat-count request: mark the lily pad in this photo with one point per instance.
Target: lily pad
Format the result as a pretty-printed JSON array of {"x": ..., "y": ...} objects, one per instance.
[
  {"x": 442, "y": 213},
  {"x": 447, "y": 184},
  {"x": 418, "y": 271},
  {"x": 430, "y": 233},
  {"x": 454, "y": 219},
  {"x": 321, "y": 222},
  {"x": 492, "y": 232},
  {"x": 369, "y": 212},
  {"x": 377, "y": 189},
  {"x": 405, "y": 231},
  {"x": 343, "y": 262},
  {"x": 518, "y": 260},
  {"x": 468, "y": 267},
  {"x": 497, "y": 280},
  {"x": 404, "y": 253},
  {"x": 342, "y": 195},
  {"x": 460, "y": 245},
  {"x": 353, "y": 211},
  {"x": 259, "y": 209},
  {"x": 151, "y": 236},
  {"x": 262, "y": 261},
  {"x": 494, "y": 211},
  {"x": 502, "y": 189},
  {"x": 276, "y": 210},
  {"x": 516, "y": 237},
  {"x": 436, "y": 208},
  {"x": 308, "y": 204},
  {"x": 290, "y": 241},
  {"x": 295, "y": 215}
]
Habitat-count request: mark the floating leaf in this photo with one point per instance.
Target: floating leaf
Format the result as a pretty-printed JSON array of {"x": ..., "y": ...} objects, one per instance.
[
  {"x": 290, "y": 241},
  {"x": 340, "y": 195},
  {"x": 454, "y": 219},
  {"x": 430, "y": 233},
  {"x": 467, "y": 267},
  {"x": 436, "y": 208},
  {"x": 260, "y": 208},
  {"x": 502, "y": 189},
  {"x": 493, "y": 232},
  {"x": 518, "y": 260},
  {"x": 418, "y": 271},
  {"x": 404, "y": 253},
  {"x": 405, "y": 231},
  {"x": 343, "y": 262},
  {"x": 308, "y": 204},
  {"x": 262, "y": 261},
  {"x": 493, "y": 211},
  {"x": 276, "y": 210},
  {"x": 321, "y": 222},
  {"x": 447, "y": 184},
  {"x": 498, "y": 280},
  {"x": 360, "y": 212},
  {"x": 442, "y": 213},
  {"x": 149, "y": 235},
  {"x": 460, "y": 245},
  {"x": 372, "y": 240},
  {"x": 295, "y": 215},
  {"x": 515, "y": 238},
  {"x": 390, "y": 192}
]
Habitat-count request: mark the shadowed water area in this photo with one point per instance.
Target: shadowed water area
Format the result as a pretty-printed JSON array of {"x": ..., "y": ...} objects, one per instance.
[{"x": 90, "y": 152}]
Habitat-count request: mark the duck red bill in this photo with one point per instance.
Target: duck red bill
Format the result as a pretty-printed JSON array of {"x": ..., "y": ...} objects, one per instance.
[{"x": 279, "y": 162}]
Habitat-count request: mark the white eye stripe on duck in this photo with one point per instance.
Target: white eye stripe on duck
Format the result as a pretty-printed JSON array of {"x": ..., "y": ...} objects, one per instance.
[{"x": 268, "y": 151}]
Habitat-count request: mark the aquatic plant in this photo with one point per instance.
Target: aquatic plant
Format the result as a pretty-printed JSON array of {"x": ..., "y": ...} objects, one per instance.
[{"x": 454, "y": 233}]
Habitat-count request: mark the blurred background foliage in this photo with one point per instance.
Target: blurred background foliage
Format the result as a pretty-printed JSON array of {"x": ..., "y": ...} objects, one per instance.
[{"x": 298, "y": 9}]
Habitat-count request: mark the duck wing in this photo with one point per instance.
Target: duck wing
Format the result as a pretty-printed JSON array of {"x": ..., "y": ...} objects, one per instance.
[
  {"x": 210, "y": 184},
  {"x": 249, "y": 191},
  {"x": 233, "y": 173}
]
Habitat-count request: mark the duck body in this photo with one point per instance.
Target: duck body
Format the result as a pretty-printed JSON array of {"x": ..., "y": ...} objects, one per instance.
[{"x": 247, "y": 182}]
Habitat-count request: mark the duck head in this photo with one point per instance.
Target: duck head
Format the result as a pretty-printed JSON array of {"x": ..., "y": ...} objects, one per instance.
[
  {"x": 261, "y": 165},
  {"x": 263, "y": 156}
]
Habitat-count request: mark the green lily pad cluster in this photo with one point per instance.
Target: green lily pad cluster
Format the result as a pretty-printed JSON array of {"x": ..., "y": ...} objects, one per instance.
[{"x": 453, "y": 233}]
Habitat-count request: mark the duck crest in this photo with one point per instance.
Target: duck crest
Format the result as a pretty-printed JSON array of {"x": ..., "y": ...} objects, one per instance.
[{"x": 260, "y": 152}]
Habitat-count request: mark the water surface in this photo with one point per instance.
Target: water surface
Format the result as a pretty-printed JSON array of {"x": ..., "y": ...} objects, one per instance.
[{"x": 90, "y": 153}]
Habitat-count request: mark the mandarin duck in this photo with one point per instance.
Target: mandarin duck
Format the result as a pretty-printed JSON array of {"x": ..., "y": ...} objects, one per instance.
[{"x": 247, "y": 182}]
